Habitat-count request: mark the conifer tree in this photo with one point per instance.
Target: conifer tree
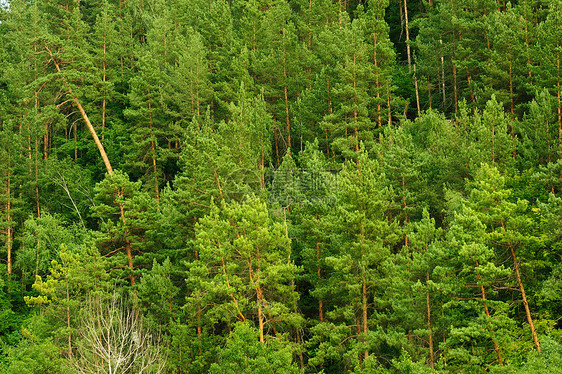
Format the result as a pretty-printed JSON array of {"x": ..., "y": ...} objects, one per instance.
[
  {"x": 350, "y": 123},
  {"x": 474, "y": 260},
  {"x": 243, "y": 272},
  {"x": 126, "y": 215},
  {"x": 362, "y": 236},
  {"x": 506, "y": 227}
]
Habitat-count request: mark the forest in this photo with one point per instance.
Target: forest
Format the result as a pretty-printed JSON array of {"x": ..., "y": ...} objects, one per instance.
[{"x": 280, "y": 186}]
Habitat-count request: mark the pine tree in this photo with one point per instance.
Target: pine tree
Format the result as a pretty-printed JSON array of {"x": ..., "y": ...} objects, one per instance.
[
  {"x": 547, "y": 51},
  {"x": 243, "y": 272},
  {"x": 126, "y": 215},
  {"x": 361, "y": 235},
  {"x": 350, "y": 123},
  {"x": 416, "y": 298},
  {"x": 506, "y": 227},
  {"x": 474, "y": 261}
]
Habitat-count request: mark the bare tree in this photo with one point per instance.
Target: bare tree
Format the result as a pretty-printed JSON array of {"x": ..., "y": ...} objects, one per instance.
[{"x": 113, "y": 340}]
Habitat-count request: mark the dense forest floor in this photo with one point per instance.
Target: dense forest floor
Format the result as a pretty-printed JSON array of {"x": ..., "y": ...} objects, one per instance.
[{"x": 285, "y": 186}]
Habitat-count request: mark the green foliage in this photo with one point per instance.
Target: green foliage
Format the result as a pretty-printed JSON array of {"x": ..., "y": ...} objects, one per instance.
[
  {"x": 245, "y": 354},
  {"x": 277, "y": 205}
]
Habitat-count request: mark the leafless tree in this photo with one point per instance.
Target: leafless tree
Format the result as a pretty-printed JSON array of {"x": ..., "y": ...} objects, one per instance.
[{"x": 113, "y": 340}]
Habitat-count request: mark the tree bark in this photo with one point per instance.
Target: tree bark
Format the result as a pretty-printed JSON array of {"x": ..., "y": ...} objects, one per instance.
[
  {"x": 523, "y": 294},
  {"x": 91, "y": 128},
  {"x": 9, "y": 232},
  {"x": 483, "y": 292},
  {"x": 408, "y": 51}
]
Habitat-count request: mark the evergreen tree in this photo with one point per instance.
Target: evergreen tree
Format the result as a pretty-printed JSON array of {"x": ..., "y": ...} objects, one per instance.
[
  {"x": 350, "y": 123},
  {"x": 126, "y": 215},
  {"x": 243, "y": 272},
  {"x": 362, "y": 236},
  {"x": 506, "y": 228}
]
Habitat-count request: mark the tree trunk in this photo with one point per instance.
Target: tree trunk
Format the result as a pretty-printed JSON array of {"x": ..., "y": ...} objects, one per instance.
[
  {"x": 37, "y": 177},
  {"x": 128, "y": 249},
  {"x": 68, "y": 320},
  {"x": 365, "y": 307},
  {"x": 153, "y": 150},
  {"x": 46, "y": 141},
  {"x": 482, "y": 291},
  {"x": 9, "y": 232},
  {"x": 408, "y": 51},
  {"x": 355, "y": 114},
  {"x": 523, "y": 294},
  {"x": 559, "y": 108},
  {"x": 431, "y": 353},
  {"x": 443, "y": 76},
  {"x": 511, "y": 88},
  {"x": 104, "y": 77},
  {"x": 377, "y": 79},
  {"x": 287, "y": 120},
  {"x": 389, "y": 108},
  {"x": 468, "y": 80},
  {"x": 429, "y": 92},
  {"x": 101, "y": 149},
  {"x": 417, "y": 92},
  {"x": 318, "y": 270},
  {"x": 455, "y": 86}
]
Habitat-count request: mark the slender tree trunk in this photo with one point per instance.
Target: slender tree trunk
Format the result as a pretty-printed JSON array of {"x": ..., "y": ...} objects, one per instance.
[
  {"x": 523, "y": 294},
  {"x": 429, "y": 92},
  {"x": 405, "y": 206},
  {"x": 9, "y": 232},
  {"x": 559, "y": 108},
  {"x": 46, "y": 140},
  {"x": 218, "y": 184},
  {"x": 276, "y": 142},
  {"x": 527, "y": 52},
  {"x": 455, "y": 86},
  {"x": 328, "y": 88},
  {"x": 365, "y": 309},
  {"x": 104, "y": 77},
  {"x": 408, "y": 51},
  {"x": 417, "y": 92},
  {"x": 389, "y": 107},
  {"x": 287, "y": 120},
  {"x": 377, "y": 78},
  {"x": 153, "y": 149},
  {"x": 493, "y": 140},
  {"x": 68, "y": 320},
  {"x": 355, "y": 114},
  {"x": 101, "y": 149},
  {"x": 241, "y": 316},
  {"x": 428, "y": 304},
  {"x": 259, "y": 300},
  {"x": 483, "y": 292},
  {"x": 468, "y": 80},
  {"x": 128, "y": 249},
  {"x": 443, "y": 76},
  {"x": 199, "y": 330},
  {"x": 298, "y": 337},
  {"x": 319, "y": 272},
  {"x": 75, "y": 131},
  {"x": 9, "y": 241},
  {"x": 330, "y": 110},
  {"x": 511, "y": 88},
  {"x": 37, "y": 177}
]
